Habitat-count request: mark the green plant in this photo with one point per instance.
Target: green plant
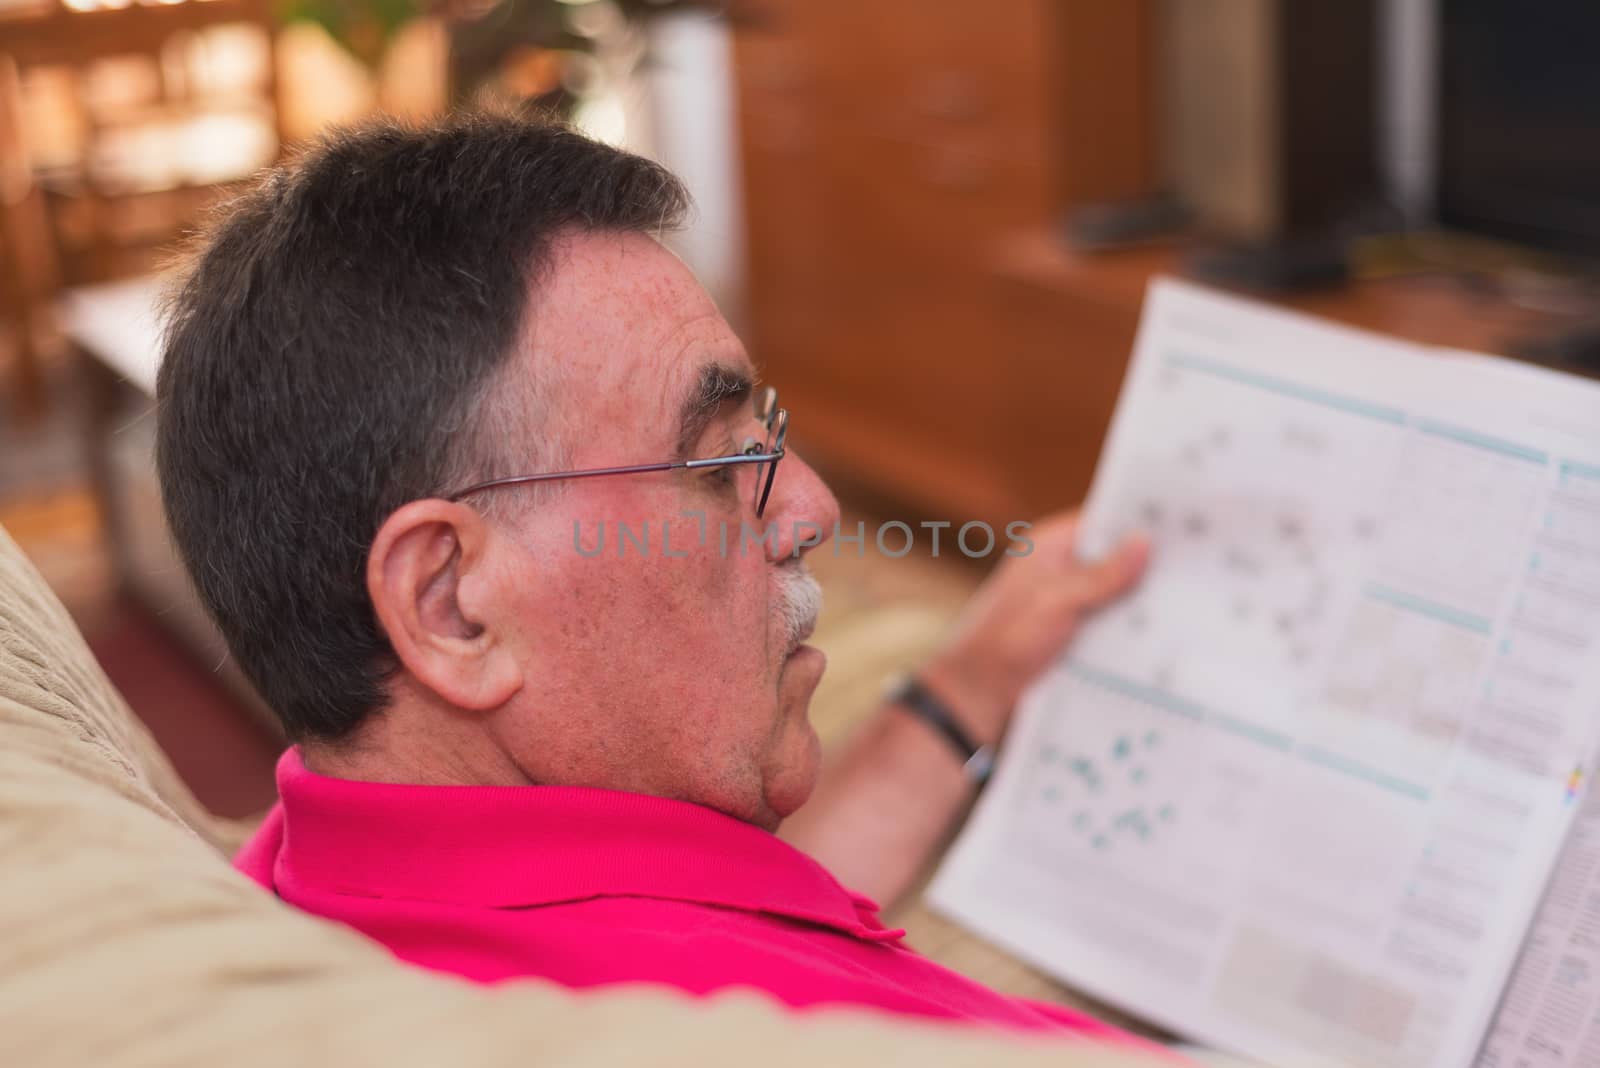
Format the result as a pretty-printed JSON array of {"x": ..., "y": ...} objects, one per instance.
[{"x": 362, "y": 26}]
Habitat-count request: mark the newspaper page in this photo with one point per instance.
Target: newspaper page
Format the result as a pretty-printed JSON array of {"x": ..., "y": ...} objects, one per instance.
[
  {"x": 1550, "y": 1014},
  {"x": 1300, "y": 795}
]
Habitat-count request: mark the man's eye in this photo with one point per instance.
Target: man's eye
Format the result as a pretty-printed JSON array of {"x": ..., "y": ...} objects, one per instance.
[{"x": 723, "y": 474}]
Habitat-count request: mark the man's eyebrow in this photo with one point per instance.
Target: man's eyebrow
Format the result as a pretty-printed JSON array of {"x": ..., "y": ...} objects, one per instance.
[{"x": 717, "y": 385}]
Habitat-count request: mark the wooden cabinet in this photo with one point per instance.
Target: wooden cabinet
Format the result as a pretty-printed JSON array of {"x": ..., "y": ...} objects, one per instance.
[
  {"x": 906, "y": 164},
  {"x": 1070, "y": 319},
  {"x": 886, "y": 147}
]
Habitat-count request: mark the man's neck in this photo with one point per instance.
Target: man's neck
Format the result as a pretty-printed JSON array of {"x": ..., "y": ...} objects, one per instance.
[{"x": 417, "y": 743}]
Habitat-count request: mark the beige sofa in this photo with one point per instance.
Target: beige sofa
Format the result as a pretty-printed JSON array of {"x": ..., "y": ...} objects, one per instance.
[{"x": 126, "y": 939}]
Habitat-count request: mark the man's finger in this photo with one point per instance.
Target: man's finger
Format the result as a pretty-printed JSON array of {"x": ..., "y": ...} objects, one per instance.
[
  {"x": 1096, "y": 583},
  {"x": 1056, "y": 535}
]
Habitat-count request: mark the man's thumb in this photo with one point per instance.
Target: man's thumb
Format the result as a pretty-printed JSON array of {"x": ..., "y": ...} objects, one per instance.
[{"x": 1116, "y": 571}]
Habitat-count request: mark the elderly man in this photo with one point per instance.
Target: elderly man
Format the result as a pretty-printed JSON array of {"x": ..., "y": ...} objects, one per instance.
[{"x": 404, "y": 374}]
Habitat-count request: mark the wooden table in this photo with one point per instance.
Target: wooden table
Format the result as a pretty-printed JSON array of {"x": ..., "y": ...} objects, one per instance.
[{"x": 115, "y": 331}]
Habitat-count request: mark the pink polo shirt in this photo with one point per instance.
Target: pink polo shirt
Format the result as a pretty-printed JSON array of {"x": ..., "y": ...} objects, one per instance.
[{"x": 588, "y": 887}]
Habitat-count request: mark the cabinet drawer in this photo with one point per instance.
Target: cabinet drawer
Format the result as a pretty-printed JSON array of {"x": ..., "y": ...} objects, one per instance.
[
  {"x": 919, "y": 68},
  {"x": 900, "y": 201}
]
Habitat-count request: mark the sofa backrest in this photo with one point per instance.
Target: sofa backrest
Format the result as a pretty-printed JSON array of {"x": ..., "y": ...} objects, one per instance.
[{"x": 126, "y": 938}]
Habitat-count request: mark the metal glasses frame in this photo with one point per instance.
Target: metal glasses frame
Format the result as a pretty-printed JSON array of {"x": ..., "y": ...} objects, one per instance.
[{"x": 774, "y": 418}]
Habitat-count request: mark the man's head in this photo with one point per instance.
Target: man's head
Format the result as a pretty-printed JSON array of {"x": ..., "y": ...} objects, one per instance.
[{"x": 400, "y": 314}]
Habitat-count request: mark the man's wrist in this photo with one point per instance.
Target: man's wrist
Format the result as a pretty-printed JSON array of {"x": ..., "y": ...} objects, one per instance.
[
  {"x": 937, "y": 718},
  {"x": 972, "y": 706}
]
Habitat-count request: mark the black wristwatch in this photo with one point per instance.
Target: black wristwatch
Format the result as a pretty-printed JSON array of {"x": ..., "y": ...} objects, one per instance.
[{"x": 909, "y": 693}]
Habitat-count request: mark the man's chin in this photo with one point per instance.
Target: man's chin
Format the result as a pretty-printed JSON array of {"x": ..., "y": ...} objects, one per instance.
[
  {"x": 793, "y": 788},
  {"x": 797, "y": 682}
]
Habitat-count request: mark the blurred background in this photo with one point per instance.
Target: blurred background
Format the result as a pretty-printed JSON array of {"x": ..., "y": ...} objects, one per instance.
[{"x": 932, "y": 221}]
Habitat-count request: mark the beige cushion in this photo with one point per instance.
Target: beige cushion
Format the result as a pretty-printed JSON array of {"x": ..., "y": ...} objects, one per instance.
[{"x": 125, "y": 938}]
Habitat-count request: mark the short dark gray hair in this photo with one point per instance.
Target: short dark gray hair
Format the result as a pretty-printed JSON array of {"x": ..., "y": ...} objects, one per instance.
[{"x": 332, "y": 353}]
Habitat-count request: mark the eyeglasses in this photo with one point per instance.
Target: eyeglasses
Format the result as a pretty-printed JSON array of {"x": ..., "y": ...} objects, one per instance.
[{"x": 764, "y": 455}]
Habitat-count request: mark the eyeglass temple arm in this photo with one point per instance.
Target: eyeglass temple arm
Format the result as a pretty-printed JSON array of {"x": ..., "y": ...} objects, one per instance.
[{"x": 629, "y": 469}]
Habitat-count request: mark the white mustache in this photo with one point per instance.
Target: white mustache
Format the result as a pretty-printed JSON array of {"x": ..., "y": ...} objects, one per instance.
[{"x": 799, "y": 602}]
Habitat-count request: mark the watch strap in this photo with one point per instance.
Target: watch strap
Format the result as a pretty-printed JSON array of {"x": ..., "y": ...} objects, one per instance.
[{"x": 911, "y": 694}]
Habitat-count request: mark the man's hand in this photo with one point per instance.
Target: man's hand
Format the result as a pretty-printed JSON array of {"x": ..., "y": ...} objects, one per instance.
[
  {"x": 883, "y": 807},
  {"x": 1021, "y": 618}
]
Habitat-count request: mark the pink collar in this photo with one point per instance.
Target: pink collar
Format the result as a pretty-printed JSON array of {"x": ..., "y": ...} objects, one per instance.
[{"x": 521, "y": 846}]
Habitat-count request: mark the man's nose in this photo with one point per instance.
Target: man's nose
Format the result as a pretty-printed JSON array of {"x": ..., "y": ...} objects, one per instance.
[{"x": 803, "y": 512}]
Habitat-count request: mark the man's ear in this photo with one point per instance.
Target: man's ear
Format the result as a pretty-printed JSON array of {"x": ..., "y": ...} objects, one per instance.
[{"x": 426, "y": 573}]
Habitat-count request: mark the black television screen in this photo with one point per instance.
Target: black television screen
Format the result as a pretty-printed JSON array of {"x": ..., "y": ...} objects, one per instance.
[{"x": 1519, "y": 121}]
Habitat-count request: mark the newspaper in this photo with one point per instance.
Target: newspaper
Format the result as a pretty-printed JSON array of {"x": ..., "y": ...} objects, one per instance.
[{"x": 1301, "y": 795}]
